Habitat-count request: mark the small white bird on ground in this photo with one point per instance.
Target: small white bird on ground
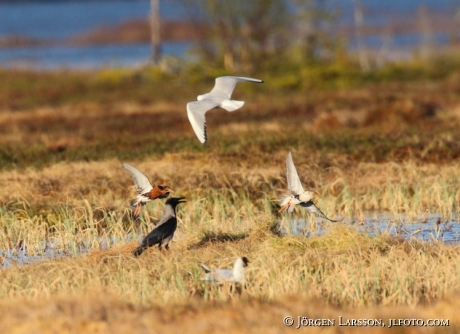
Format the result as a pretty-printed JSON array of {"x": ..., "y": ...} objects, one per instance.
[
  {"x": 218, "y": 97},
  {"x": 226, "y": 275},
  {"x": 299, "y": 195}
]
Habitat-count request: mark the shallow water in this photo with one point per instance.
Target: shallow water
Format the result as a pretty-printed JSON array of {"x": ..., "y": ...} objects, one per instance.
[
  {"x": 22, "y": 255},
  {"x": 428, "y": 228}
]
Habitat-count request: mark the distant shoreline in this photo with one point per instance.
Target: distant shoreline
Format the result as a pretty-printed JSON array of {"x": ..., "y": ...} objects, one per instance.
[{"x": 128, "y": 32}]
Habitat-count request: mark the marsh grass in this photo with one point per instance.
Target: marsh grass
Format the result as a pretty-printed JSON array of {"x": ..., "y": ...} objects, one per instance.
[
  {"x": 80, "y": 202},
  {"x": 343, "y": 267},
  {"x": 134, "y": 119},
  {"x": 378, "y": 149},
  {"x": 228, "y": 215}
]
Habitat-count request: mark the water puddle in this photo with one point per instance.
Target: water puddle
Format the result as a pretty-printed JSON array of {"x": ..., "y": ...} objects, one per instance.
[
  {"x": 22, "y": 255},
  {"x": 428, "y": 228}
]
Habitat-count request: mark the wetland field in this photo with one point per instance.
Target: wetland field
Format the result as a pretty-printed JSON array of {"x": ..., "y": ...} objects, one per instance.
[{"x": 382, "y": 154}]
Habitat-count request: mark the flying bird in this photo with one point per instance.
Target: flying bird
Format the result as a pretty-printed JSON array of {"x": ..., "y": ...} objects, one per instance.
[
  {"x": 163, "y": 233},
  {"x": 226, "y": 275},
  {"x": 146, "y": 191},
  {"x": 299, "y": 195},
  {"x": 218, "y": 97}
]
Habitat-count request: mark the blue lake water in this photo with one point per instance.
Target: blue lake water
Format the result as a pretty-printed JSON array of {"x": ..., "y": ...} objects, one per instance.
[
  {"x": 112, "y": 55},
  {"x": 60, "y": 20}
]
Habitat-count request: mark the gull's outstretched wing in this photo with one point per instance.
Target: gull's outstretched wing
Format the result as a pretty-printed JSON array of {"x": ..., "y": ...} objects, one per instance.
[
  {"x": 293, "y": 180},
  {"x": 224, "y": 85},
  {"x": 196, "y": 115},
  {"x": 225, "y": 274},
  {"x": 141, "y": 181},
  {"x": 312, "y": 208}
]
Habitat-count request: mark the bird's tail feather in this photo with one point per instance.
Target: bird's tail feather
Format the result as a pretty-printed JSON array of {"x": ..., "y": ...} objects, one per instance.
[
  {"x": 205, "y": 267},
  {"x": 138, "y": 251},
  {"x": 290, "y": 208},
  {"x": 231, "y": 105},
  {"x": 134, "y": 202}
]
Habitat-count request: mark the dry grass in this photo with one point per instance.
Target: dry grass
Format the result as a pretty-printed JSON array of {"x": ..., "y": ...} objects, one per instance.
[
  {"x": 365, "y": 151},
  {"x": 106, "y": 313},
  {"x": 343, "y": 267},
  {"x": 342, "y": 273},
  {"x": 92, "y": 198}
]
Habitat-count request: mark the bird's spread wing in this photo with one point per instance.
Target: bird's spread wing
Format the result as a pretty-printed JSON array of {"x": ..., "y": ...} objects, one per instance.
[
  {"x": 218, "y": 275},
  {"x": 293, "y": 180},
  {"x": 141, "y": 181},
  {"x": 224, "y": 274},
  {"x": 312, "y": 208},
  {"x": 224, "y": 85},
  {"x": 195, "y": 112}
]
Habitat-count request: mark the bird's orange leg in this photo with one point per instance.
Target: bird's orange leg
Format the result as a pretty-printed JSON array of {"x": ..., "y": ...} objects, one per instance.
[
  {"x": 137, "y": 210},
  {"x": 283, "y": 208}
]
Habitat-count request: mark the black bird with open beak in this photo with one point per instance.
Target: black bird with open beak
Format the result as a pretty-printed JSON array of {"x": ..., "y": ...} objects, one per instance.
[{"x": 163, "y": 233}]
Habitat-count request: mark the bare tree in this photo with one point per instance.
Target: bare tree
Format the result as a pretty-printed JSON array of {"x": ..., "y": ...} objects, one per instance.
[
  {"x": 359, "y": 20},
  {"x": 426, "y": 31},
  {"x": 155, "y": 18},
  {"x": 312, "y": 19},
  {"x": 241, "y": 35}
]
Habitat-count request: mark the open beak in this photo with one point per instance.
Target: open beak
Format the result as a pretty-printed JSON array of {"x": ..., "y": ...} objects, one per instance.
[{"x": 181, "y": 200}]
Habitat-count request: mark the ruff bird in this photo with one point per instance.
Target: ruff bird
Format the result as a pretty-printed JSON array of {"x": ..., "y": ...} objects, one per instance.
[
  {"x": 146, "y": 191},
  {"x": 218, "y": 97},
  {"x": 163, "y": 233},
  {"x": 299, "y": 195},
  {"x": 226, "y": 275}
]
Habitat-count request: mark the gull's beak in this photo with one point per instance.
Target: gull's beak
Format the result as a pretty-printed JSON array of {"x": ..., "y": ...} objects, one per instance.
[
  {"x": 283, "y": 208},
  {"x": 181, "y": 200}
]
